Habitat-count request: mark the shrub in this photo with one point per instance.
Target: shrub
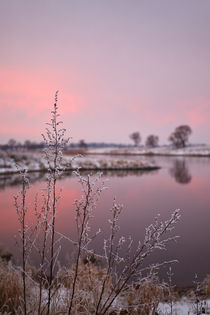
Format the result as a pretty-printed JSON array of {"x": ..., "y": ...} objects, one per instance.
[
  {"x": 84, "y": 288},
  {"x": 144, "y": 298}
]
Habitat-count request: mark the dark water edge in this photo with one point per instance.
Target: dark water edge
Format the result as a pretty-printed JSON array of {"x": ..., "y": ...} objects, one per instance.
[
  {"x": 14, "y": 179},
  {"x": 181, "y": 183}
]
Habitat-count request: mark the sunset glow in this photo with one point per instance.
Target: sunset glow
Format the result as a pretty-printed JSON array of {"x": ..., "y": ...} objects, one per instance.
[{"x": 120, "y": 67}]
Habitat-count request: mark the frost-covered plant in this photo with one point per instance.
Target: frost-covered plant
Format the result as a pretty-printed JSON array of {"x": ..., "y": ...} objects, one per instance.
[
  {"x": 46, "y": 216},
  {"x": 84, "y": 212},
  {"x": 170, "y": 289},
  {"x": 21, "y": 209},
  {"x": 143, "y": 298},
  {"x": 122, "y": 262},
  {"x": 43, "y": 230},
  {"x": 55, "y": 143},
  {"x": 206, "y": 286},
  {"x": 130, "y": 264},
  {"x": 197, "y": 306}
]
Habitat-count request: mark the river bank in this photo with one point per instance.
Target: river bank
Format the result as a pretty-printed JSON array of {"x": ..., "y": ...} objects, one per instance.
[
  {"x": 14, "y": 162},
  {"x": 196, "y": 151}
]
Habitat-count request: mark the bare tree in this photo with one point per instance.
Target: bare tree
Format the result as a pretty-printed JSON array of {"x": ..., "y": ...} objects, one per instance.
[
  {"x": 83, "y": 144},
  {"x": 180, "y": 136},
  {"x": 152, "y": 141},
  {"x": 135, "y": 136},
  {"x": 27, "y": 144},
  {"x": 12, "y": 143}
]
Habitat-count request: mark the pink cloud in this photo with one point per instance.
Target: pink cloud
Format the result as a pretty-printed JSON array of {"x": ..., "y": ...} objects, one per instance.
[
  {"x": 200, "y": 115},
  {"x": 26, "y": 101},
  {"x": 89, "y": 108},
  {"x": 194, "y": 114},
  {"x": 34, "y": 92}
]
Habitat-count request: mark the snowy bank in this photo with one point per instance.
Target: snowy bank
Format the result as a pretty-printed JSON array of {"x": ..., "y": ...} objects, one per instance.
[
  {"x": 162, "y": 150},
  {"x": 35, "y": 162},
  {"x": 184, "y": 306}
]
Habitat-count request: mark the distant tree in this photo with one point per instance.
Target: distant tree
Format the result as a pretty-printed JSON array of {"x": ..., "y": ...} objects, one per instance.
[
  {"x": 27, "y": 144},
  {"x": 83, "y": 144},
  {"x": 152, "y": 141},
  {"x": 180, "y": 136},
  {"x": 12, "y": 143},
  {"x": 135, "y": 136}
]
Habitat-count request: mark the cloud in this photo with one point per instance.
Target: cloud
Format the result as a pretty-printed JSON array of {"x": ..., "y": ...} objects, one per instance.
[
  {"x": 27, "y": 98},
  {"x": 33, "y": 90},
  {"x": 92, "y": 111}
]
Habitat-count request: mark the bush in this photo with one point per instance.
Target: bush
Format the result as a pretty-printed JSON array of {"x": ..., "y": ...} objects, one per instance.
[{"x": 84, "y": 288}]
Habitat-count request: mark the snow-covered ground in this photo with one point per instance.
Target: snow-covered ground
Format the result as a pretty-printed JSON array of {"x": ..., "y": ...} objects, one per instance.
[
  {"x": 162, "y": 150},
  {"x": 13, "y": 162},
  {"x": 184, "y": 307}
]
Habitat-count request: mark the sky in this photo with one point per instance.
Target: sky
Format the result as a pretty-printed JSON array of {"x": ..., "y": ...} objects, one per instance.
[{"x": 120, "y": 66}]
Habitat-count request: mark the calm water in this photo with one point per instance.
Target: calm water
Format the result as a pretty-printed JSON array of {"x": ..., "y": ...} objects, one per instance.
[{"x": 181, "y": 183}]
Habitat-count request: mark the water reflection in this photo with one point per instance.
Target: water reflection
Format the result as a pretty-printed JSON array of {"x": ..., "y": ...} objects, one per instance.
[
  {"x": 180, "y": 172},
  {"x": 15, "y": 180},
  {"x": 143, "y": 198}
]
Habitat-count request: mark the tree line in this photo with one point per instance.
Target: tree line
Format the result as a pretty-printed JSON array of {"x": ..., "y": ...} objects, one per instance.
[{"x": 178, "y": 138}]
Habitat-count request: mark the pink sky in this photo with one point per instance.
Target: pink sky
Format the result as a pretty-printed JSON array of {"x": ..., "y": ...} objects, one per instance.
[{"x": 121, "y": 66}]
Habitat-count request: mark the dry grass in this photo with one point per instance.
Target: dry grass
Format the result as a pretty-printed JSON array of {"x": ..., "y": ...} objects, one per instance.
[
  {"x": 140, "y": 299},
  {"x": 89, "y": 280},
  {"x": 75, "y": 152},
  {"x": 205, "y": 286},
  {"x": 4, "y": 254},
  {"x": 10, "y": 288},
  {"x": 90, "y": 277},
  {"x": 144, "y": 298}
]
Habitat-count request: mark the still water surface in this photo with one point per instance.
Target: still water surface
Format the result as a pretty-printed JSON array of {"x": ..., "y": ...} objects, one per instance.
[{"x": 182, "y": 183}]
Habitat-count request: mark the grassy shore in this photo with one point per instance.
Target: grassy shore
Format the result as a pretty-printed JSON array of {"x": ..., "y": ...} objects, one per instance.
[
  {"x": 138, "y": 299},
  {"x": 13, "y": 162},
  {"x": 196, "y": 151}
]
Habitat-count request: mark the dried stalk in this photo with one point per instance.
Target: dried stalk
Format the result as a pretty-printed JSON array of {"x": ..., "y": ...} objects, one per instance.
[
  {"x": 153, "y": 240},
  {"x": 43, "y": 220},
  {"x": 55, "y": 142},
  {"x": 21, "y": 212},
  {"x": 84, "y": 209}
]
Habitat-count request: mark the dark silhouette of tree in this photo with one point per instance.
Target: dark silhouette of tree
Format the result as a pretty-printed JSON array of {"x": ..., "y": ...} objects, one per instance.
[
  {"x": 31, "y": 145},
  {"x": 135, "y": 136},
  {"x": 180, "y": 172},
  {"x": 28, "y": 144},
  {"x": 12, "y": 143},
  {"x": 152, "y": 141},
  {"x": 180, "y": 136},
  {"x": 83, "y": 144}
]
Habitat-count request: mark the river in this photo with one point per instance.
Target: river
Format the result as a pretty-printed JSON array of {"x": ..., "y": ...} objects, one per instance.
[{"x": 181, "y": 183}]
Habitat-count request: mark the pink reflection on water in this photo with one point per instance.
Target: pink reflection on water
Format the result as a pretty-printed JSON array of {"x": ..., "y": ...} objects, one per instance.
[{"x": 143, "y": 197}]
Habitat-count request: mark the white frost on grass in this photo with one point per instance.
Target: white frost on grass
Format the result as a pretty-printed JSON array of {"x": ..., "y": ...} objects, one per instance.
[
  {"x": 179, "y": 308},
  {"x": 162, "y": 150},
  {"x": 182, "y": 307},
  {"x": 36, "y": 162},
  {"x": 91, "y": 163}
]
